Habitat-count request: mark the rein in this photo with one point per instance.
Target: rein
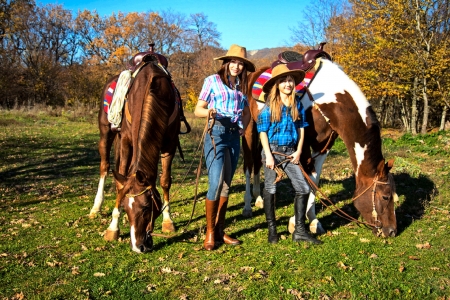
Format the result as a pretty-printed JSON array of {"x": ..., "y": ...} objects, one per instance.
[{"x": 337, "y": 210}]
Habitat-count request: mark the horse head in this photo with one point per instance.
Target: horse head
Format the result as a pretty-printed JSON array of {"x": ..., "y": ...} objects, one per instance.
[
  {"x": 377, "y": 203},
  {"x": 142, "y": 203}
]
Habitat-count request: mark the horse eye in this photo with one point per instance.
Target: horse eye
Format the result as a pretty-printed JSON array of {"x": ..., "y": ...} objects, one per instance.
[{"x": 386, "y": 198}]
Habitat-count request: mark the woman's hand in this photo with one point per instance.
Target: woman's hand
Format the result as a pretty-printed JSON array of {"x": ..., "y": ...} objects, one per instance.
[
  {"x": 270, "y": 162},
  {"x": 296, "y": 157},
  {"x": 212, "y": 113}
]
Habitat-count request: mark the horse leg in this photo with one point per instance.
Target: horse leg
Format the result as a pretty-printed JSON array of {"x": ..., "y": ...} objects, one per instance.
[
  {"x": 166, "y": 183},
  {"x": 257, "y": 164},
  {"x": 104, "y": 148},
  {"x": 112, "y": 233},
  {"x": 314, "y": 225}
]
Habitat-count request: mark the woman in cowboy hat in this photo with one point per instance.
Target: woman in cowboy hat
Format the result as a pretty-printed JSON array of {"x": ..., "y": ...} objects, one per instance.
[
  {"x": 223, "y": 98},
  {"x": 281, "y": 128}
]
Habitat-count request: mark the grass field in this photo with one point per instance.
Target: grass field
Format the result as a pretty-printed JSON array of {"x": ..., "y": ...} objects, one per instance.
[{"x": 51, "y": 249}]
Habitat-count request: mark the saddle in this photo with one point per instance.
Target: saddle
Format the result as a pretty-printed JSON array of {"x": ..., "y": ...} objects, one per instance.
[
  {"x": 147, "y": 56},
  {"x": 294, "y": 60}
]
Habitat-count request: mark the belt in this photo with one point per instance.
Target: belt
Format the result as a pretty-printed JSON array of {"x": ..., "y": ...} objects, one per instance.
[
  {"x": 281, "y": 148},
  {"x": 227, "y": 124}
]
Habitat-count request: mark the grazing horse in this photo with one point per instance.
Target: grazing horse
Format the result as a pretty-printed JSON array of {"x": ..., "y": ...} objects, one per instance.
[
  {"x": 334, "y": 106},
  {"x": 149, "y": 132}
]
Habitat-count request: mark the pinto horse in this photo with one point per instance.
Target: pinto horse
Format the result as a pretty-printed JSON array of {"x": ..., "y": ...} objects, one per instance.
[
  {"x": 149, "y": 132},
  {"x": 334, "y": 106}
]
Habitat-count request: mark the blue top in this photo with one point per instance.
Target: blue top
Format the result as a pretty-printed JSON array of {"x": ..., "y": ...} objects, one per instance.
[
  {"x": 283, "y": 133},
  {"x": 228, "y": 103}
]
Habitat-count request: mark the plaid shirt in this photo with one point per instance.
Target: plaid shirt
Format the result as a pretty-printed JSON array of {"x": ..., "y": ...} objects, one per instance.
[
  {"x": 227, "y": 102},
  {"x": 283, "y": 133}
]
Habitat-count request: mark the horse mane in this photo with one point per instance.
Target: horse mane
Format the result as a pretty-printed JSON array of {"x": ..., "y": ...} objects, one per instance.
[
  {"x": 372, "y": 137},
  {"x": 154, "y": 118}
]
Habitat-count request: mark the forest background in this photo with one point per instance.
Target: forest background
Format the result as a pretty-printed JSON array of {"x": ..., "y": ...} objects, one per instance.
[{"x": 396, "y": 51}]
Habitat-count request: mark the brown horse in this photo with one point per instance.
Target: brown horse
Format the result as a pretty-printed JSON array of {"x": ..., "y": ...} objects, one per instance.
[
  {"x": 335, "y": 106},
  {"x": 149, "y": 131}
]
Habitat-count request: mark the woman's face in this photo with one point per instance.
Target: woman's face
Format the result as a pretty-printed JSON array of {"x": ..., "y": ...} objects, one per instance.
[
  {"x": 286, "y": 85},
  {"x": 235, "y": 67}
]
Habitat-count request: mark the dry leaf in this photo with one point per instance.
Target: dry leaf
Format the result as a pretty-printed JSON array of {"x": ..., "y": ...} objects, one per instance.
[
  {"x": 423, "y": 246},
  {"x": 373, "y": 256},
  {"x": 353, "y": 232},
  {"x": 412, "y": 257},
  {"x": 247, "y": 269},
  {"x": 401, "y": 269},
  {"x": 166, "y": 270},
  {"x": 364, "y": 240},
  {"x": 99, "y": 274}
]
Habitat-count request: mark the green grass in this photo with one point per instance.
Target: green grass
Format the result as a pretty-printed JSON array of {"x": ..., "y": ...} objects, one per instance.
[{"x": 51, "y": 249}]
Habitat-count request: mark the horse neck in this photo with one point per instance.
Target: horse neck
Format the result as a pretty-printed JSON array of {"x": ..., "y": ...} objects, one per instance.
[
  {"x": 150, "y": 122},
  {"x": 351, "y": 116}
]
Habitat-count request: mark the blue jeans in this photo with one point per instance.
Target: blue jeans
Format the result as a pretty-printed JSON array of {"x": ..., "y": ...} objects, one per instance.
[
  {"x": 292, "y": 171},
  {"x": 221, "y": 168}
]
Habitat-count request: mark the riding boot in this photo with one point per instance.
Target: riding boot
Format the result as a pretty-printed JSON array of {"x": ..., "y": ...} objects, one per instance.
[
  {"x": 211, "y": 213},
  {"x": 221, "y": 236},
  {"x": 269, "y": 209},
  {"x": 300, "y": 233}
]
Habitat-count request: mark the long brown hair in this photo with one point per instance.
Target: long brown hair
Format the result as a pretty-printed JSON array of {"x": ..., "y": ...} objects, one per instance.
[
  {"x": 224, "y": 72},
  {"x": 276, "y": 105}
]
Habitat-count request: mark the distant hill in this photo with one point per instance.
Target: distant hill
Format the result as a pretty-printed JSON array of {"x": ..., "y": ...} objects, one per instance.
[{"x": 266, "y": 53}]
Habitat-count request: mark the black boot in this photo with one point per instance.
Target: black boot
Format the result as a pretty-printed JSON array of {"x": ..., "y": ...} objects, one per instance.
[
  {"x": 300, "y": 233},
  {"x": 269, "y": 209}
]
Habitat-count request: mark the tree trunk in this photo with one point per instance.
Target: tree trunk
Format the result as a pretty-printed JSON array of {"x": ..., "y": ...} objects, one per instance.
[
  {"x": 426, "y": 108},
  {"x": 404, "y": 115},
  {"x": 443, "y": 117},
  {"x": 414, "y": 107}
]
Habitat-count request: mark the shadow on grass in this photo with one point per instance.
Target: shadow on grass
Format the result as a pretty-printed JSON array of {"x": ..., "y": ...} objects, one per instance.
[{"x": 415, "y": 194}]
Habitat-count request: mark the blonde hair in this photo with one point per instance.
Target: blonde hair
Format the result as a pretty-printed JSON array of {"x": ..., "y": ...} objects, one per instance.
[{"x": 276, "y": 105}]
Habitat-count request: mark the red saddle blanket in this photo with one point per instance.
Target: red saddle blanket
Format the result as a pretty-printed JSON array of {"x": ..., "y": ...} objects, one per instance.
[
  {"x": 112, "y": 87},
  {"x": 109, "y": 96},
  {"x": 266, "y": 75}
]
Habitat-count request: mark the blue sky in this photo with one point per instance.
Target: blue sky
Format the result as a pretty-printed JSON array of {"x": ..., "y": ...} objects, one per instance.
[{"x": 252, "y": 24}]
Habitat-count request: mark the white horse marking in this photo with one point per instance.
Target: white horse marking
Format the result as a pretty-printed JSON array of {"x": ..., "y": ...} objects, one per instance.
[
  {"x": 359, "y": 155},
  {"x": 114, "y": 225},
  {"x": 133, "y": 239},
  {"x": 130, "y": 202},
  {"x": 331, "y": 80},
  {"x": 100, "y": 197}
]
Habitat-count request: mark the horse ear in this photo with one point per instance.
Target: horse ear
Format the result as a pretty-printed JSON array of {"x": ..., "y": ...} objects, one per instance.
[
  {"x": 390, "y": 164},
  {"x": 120, "y": 180},
  {"x": 381, "y": 171}
]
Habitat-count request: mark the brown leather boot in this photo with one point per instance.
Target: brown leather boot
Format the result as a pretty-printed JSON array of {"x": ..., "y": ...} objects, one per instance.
[
  {"x": 221, "y": 236},
  {"x": 211, "y": 214}
]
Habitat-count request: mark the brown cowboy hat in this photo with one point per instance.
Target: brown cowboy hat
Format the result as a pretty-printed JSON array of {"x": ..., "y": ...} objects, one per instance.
[
  {"x": 282, "y": 70},
  {"x": 238, "y": 52}
]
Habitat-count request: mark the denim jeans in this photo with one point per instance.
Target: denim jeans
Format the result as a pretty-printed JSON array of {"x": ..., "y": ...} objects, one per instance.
[
  {"x": 221, "y": 168},
  {"x": 292, "y": 171}
]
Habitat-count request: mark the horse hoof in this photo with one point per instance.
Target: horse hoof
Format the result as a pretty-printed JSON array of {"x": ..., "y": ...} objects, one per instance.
[
  {"x": 93, "y": 214},
  {"x": 259, "y": 202},
  {"x": 291, "y": 225},
  {"x": 111, "y": 235},
  {"x": 168, "y": 227},
  {"x": 316, "y": 227},
  {"x": 247, "y": 213}
]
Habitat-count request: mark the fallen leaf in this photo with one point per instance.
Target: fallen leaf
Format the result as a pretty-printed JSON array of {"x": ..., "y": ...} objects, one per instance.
[
  {"x": 99, "y": 274},
  {"x": 364, "y": 240},
  {"x": 401, "y": 269},
  {"x": 423, "y": 246},
  {"x": 373, "y": 256},
  {"x": 412, "y": 257}
]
